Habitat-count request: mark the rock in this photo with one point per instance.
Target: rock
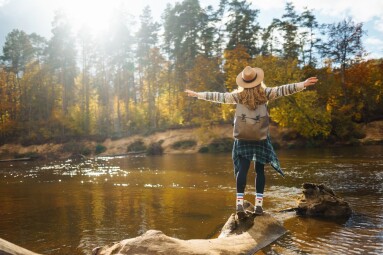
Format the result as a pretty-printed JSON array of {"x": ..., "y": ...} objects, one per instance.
[
  {"x": 246, "y": 236},
  {"x": 319, "y": 200}
]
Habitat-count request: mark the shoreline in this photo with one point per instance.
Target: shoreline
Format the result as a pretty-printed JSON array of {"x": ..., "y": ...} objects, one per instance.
[{"x": 178, "y": 141}]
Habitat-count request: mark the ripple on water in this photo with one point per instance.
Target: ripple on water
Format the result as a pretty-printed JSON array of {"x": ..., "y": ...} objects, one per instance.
[{"x": 311, "y": 236}]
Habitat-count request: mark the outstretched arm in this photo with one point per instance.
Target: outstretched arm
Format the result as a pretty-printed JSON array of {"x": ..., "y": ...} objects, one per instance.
[
  {"x": 217, "y": 97},
  {"x": 289, "y": 89}
]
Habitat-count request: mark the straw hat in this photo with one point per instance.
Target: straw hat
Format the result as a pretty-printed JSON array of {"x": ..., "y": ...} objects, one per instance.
[{"x": 250, "y": 77}]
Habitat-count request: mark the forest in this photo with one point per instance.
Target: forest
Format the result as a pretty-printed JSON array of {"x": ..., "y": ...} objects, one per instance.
[{"x": 132, "y": 79}]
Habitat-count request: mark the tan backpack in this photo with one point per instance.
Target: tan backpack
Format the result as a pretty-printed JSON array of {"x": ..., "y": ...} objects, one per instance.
[{"x": 251, "y": 125}]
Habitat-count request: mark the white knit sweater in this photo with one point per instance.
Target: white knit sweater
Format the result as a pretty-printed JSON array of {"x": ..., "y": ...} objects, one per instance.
[{"x": 271, "y": 93}]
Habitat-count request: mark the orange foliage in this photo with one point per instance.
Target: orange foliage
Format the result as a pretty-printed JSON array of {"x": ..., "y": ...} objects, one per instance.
[{"x": 235, "y": 61}]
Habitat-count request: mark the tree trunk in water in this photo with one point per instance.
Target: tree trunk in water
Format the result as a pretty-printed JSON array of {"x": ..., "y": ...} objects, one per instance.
[
  {"x": 246, "y": 236},
  {"x": 7, "y": 248}
]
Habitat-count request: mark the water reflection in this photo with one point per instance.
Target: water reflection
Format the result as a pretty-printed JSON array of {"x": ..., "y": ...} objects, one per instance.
[{"x": 71, "y": 207}]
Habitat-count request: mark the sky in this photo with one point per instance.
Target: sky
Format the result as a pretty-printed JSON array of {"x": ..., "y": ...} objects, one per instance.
[{"x": 36, "y": 16}]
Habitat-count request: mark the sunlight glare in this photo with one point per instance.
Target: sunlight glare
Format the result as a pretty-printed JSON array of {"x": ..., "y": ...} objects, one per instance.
[{"x": 92, "y": 14}]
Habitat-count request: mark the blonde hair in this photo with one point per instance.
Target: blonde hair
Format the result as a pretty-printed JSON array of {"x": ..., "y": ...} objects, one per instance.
[{"x": 251, "y": 97}]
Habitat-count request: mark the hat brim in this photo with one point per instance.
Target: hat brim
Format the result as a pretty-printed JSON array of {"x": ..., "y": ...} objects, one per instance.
[{"x": 256, "y": 82}]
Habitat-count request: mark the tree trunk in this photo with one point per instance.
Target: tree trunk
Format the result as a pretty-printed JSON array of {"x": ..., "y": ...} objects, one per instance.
[{"x": 246, "y": 236}]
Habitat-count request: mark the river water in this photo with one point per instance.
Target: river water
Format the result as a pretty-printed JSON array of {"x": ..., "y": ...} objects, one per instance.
[{"x": 66, "y": 207}]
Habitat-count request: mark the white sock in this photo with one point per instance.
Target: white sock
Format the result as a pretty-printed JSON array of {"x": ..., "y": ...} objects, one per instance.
[
  {"x": 258, "y": 199},
  {"x": 240, "y": 199}
]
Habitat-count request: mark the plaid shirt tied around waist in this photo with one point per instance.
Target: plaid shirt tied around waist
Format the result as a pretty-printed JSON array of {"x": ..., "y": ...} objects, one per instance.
[{"x": 259, "y": 151}]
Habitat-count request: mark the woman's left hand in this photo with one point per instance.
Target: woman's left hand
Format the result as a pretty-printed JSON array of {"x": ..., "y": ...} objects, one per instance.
[
  {"x": 191, "y": 93},
  {"x": 310, "y": 81}
]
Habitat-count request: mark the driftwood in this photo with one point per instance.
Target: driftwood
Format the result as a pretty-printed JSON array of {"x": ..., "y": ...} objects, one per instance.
[
  {"x": 237, "y": 237},
  {"x": 7, "y": 248},
  {"x": 319, "y": 200}
]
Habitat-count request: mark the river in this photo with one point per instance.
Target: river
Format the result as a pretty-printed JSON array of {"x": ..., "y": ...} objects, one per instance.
[{"x": 68, "y": 207}]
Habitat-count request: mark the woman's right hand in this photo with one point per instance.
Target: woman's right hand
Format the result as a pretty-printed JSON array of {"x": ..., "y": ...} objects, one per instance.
[
  {"x": 310, "y": 81},
  {"x": 191, "y": 93}
]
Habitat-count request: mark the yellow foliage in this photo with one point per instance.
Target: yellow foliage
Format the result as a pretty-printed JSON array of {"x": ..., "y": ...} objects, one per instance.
[
  {"x": 278, "y": 71},
  {"x": 204, "y": 76},
  {"x": 303, "y": 113},
  {"x": 228, "y": 112},
  {"x": 235, "y": 61},
  {"x": 6, "y": 124}
]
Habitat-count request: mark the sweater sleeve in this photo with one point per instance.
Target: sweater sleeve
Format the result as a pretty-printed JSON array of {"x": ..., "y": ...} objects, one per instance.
[
  {"x": 284, "y": 90},
  {"x": 217, "y": 97}
]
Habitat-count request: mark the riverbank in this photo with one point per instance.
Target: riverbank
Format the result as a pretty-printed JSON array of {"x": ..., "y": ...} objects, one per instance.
[{"x": 187, "y": 140}]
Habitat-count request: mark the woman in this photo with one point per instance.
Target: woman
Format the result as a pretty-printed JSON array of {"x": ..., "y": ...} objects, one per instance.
[{"x": 252, "y": 93}]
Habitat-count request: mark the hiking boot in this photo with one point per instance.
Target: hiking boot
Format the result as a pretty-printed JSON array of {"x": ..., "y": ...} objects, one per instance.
[
  {"x": 258, "y": 210},
  {"x": 241, "y": 214}
]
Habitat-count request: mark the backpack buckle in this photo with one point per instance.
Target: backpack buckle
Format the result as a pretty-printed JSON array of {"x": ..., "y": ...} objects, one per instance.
[{"x": 243, "y": 117}]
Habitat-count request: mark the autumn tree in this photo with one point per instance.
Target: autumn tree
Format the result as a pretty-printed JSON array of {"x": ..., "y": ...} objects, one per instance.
[
  {"x": 270, "y": 40},
  {"x": 182, "y": 24},
  {"x": 7, "y": 123},
  {"x": 343, "y": 46},
  {"x": 242, "y": 27},
  {"x": 22, "y": 54},
  {"x": 309, "y": 37},
  {"x": 364, "y": 81},
  {"x": 210, "y": 39},
  {"x": 154, "y": 74},
  {"x": 149, "y": 63},
  {"x": 183, "y": 43},
  {"x": 205, "y": 113},
  {"x": 102, "y": 80},
  {"x": 302, "y": 112},
  {"x": 181, "y": 34},
  {"x": 235, "y": 61},
  {"x": 289, "y": 26},
  {"x": 17, "y": 51},
  {"x": 61, "y": 60},
  {"x": 86, "y": 50},
  {"x": 122, "y": 65},
  {"x": 151, "y": 69}
]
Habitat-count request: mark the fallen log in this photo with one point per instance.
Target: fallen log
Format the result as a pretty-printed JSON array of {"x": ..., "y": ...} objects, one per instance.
[
  {"x": 245, "y": 236},
  {"x": 7, "y": 248}
]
